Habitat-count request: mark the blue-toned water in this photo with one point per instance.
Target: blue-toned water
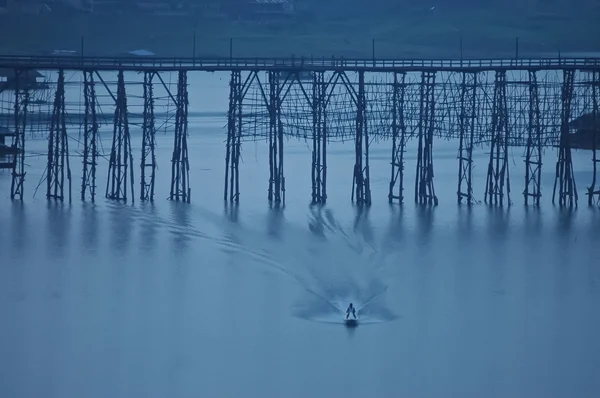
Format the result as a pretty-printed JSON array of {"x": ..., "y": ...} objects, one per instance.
[{"x": 188, "y": 300}]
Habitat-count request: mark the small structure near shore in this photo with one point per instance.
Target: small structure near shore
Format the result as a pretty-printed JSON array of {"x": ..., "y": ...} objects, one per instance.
[
  {"x": 6, "y": 150},
  {"x": 587, "y": 128},
  {"x": 260, "y": 9},
  {"x": 270, "y": 7},
  {"x": 30, "y": 79},
  {"x": 137, "y": 53}
]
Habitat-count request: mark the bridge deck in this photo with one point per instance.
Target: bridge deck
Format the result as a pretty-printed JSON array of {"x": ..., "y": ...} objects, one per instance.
[{"x": 282, "y": 64}]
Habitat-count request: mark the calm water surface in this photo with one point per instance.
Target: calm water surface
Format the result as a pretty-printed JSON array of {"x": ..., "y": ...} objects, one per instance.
[{"x": 178, "y": 300}]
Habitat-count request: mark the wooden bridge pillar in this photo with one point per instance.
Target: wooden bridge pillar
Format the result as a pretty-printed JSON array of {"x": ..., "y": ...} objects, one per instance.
[
  {"x": 319, "y": 139},
  {"x": 467, "y": 117},
  {"x": 565, "y": 178},
  {"x": 180, "y": 167},
  {"x": 398, "y": 138},
  {"x": 234, "y": 134},
  {"x": 58, "y": 146},
  {"x": 276, "y": 177},
  {"x": 594, "y": 190},
  {"x": 121, "y": 159},
  {"x": 148, "y": 159},
  {"x": 90, "y": 137},
  {"x": 533, "y": 154},
  {"x": 424, "y": 188},
  {"x": 20, "y": 109},
  {"x": 498, "y": 173},
  {"x": 361, "y": 189}
]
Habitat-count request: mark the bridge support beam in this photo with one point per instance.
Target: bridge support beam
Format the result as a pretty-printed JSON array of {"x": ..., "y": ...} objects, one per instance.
[
  {"x": 90, "y": 138},
  {"x": 20, "y": 109},
  {"x": 467, "y": 117},
  {"x": 533, "y": 154},
  {"x": 398, "y": 138},
  {"x": 565, "y": 179},
  {"x": 148, "y": 160},
  {"x": 58, "y": 146},
  {"x": 276, "y": 177},
  {"x": 361, "y": 188},
  {"x": 180, "y": 167},
  {"x": 319, "y": 139},
  {"x": 424, "y": 187},
  {"x": 498, "y": 174},
  {"x": 121, "y": 159},
  {"x": 593, "y": 191},
  {"x": 234, "y": 135}
]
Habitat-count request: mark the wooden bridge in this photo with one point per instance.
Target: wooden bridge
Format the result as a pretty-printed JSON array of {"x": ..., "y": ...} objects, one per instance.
[
  {"x": 497, "y": 102},
  {"x": 225, "y": 64}
]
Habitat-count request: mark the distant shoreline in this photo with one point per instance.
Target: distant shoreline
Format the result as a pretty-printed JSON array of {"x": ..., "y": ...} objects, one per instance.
[{"x": 478, "y": 32}]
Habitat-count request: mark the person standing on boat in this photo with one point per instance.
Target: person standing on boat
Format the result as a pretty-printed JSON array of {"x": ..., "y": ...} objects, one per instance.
[{"x": 351, "y": 310}]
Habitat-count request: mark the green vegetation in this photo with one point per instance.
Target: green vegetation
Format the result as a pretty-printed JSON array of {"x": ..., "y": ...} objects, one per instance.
[{"x": 322, "y": 30}]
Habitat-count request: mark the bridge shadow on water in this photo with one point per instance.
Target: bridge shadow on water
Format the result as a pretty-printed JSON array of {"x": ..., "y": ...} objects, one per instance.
[
  {"x": 122, "y": 218},
  {"x": 18, "y": 226},
  {"x": 181, "y": 217},
  {"x": 58, "y": 228},
  {"x": 149, "y": 226},
  {"x": 89, "y": 227}
]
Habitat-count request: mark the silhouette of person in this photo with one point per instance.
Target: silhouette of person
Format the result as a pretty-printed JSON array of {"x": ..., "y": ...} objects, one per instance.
[{"x": 352, "y": 310}]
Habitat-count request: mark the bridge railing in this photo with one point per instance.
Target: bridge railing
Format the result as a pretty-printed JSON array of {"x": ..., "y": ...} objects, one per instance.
[{"x": 75, "y": 62}]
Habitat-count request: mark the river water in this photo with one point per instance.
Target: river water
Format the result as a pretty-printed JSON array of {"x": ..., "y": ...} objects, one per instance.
[{"x": 186, "y": 300}]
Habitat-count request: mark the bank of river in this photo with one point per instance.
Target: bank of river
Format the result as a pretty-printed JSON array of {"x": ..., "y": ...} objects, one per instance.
[{"x": 434, "y": 34}]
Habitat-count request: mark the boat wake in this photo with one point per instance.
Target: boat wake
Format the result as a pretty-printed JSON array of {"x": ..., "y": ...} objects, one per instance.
[{"x": 332, "y": 264}]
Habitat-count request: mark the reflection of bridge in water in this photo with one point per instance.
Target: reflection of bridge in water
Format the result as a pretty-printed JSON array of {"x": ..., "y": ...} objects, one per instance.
[{"x": 533, "y": 103}]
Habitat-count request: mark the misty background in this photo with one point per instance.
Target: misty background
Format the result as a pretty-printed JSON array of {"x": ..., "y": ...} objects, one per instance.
[{"x": 278, "y": 28}]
